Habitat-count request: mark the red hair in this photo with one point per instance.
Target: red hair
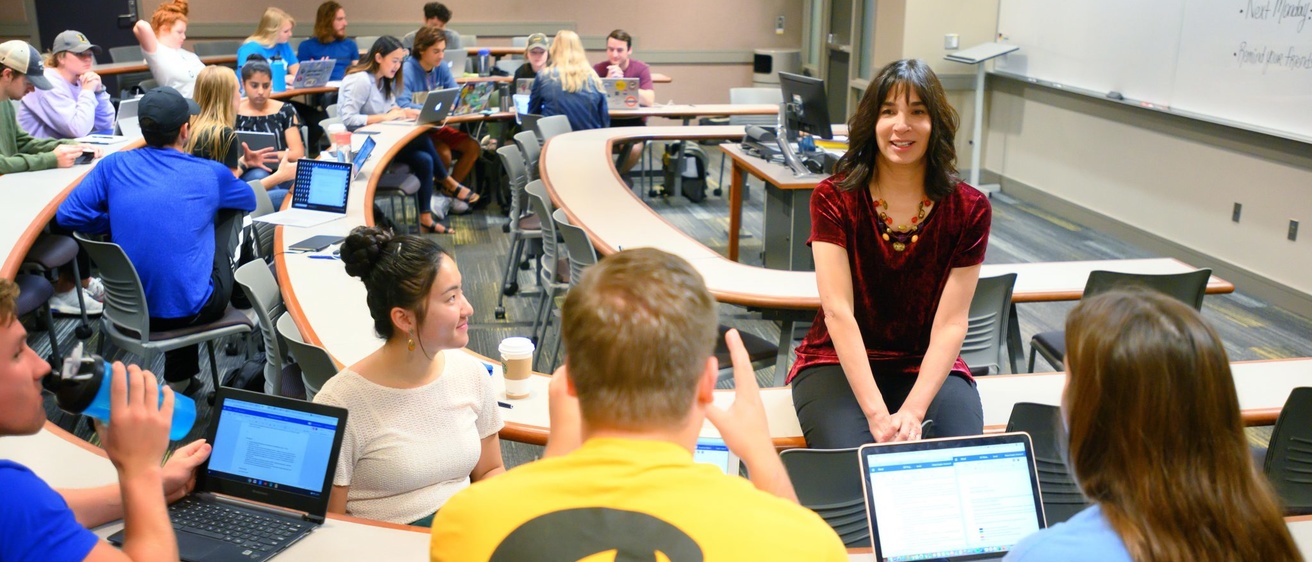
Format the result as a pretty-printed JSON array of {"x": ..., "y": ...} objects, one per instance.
[{"x": 168, "y": 14}]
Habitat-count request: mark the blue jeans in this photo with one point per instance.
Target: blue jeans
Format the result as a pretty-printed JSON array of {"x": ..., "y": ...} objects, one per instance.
[
  {"x": 277, "y": 194},
  {"x": 424, "y": 163}
]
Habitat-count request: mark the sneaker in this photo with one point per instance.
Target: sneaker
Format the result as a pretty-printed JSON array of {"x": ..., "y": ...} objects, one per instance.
[
  {"x": 459, "y": 207},
  {"x": 66, "y": 304},
  {"x": 95, "y": 289},
  {"x": 186, "y": 387}
]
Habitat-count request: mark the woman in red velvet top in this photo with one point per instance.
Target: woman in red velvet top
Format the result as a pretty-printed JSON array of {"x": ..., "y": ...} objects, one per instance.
[{"x": 898, "y": 241}]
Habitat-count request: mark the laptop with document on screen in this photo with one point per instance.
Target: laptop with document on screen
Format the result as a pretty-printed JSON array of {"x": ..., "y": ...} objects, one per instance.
[
  {"x": 319, "y": 195},
  {"x": 968, "y": 498},
  {"x": 267, "y": 481}
]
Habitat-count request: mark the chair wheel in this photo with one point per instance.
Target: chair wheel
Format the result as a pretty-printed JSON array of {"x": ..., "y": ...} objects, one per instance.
[
  {"x": 718, "y": 192},
  {"x": 510, "y": 289},
  {"x": 230, "y": 348},
  {"x": 500, "y": 313},
  {"x": 210, "y": 396},
  {"x": 83, "y": 332},
  {"x": 505, "y": 228},
  {"x": 525, "y": 265},
  {"x": 652, "y": 193}
]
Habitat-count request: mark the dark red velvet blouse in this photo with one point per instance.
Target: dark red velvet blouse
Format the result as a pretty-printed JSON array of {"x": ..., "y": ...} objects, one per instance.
[{"x": 895, "y": 294}]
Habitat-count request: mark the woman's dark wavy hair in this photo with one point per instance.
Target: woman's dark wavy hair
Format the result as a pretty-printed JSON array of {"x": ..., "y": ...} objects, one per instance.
[
  {"x": 398, "y": 271},
  {"x": 859, "y": 166},
  {"x": 255, "y": 64},
  {"x": 369, "y": 63}
]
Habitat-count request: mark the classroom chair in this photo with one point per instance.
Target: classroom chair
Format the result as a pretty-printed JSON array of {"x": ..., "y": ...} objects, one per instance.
[
  {"x": 989, "y": 315},
  {"x": 398, "y": 184},
  {"x": 366, "y": 42},
  {"x": 523, "y": 226},
  {"x": 333, "y": 111},
  {"x": 317, "y": 366},
  {"x": 531, "y": 147},
  {"x": 128, "y": 80},
  {"x": 1188, "y": 288},
  {"x": 553, "y": 275},
  {"x": 1062, "y": 498},
  {"x": 828, "y": 482},
  {"x": 548, "y": 127},
  {"x": 261, "y": 289},
  {"x": 34, "y": 292},
  {"x": 47, "y": 254},
  {"x": 261, "y": 233},
  {"x": 1289, "y": 459},
  {"x": 218, "y": 48},
  {"x": 126, "y": 320},
  {"x": 581, "y": 255}
]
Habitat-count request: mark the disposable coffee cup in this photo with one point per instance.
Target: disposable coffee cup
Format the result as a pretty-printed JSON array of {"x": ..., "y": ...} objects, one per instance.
[{"x": 517, "y": 363}]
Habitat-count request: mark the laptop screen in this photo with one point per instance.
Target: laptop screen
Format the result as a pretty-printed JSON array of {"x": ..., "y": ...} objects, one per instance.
[
  {"x": 957, "y": 498},
  {"x": 715, "y": 452},
  {"x": 272, "y": 447},
  {"x": 362, "y": 155},
  {"x": 322, "y": 185}
]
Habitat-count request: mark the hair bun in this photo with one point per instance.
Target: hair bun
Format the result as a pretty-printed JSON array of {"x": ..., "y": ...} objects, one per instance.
[
  {"x": 363, "y": 248},
  {"x": 179, "y": 6}
]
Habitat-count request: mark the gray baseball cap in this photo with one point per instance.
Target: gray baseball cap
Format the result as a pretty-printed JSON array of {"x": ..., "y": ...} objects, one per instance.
[
  {"x": 73, "y": 41},
  {"x": 537, "y": 41},
  {"x": 24, "y": 58}
]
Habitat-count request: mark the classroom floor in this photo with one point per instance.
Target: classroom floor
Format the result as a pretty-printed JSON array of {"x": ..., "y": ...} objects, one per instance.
[{"x": 1250, "y": 327}]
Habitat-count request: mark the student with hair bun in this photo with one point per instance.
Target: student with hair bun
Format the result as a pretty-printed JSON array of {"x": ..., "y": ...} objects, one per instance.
[
  {"x": 161, "y": 43},
  {"x": 424, "y": 415}
]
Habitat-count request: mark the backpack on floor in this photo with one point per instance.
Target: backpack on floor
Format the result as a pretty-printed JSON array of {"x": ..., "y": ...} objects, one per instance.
[{"x": 692, "y": 167}]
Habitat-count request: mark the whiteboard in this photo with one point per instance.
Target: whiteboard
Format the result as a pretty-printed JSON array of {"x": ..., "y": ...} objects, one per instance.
[{"x": 1241, "y": 62}]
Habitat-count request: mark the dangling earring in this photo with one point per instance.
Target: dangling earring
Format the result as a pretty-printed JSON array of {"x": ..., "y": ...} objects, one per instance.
[{"x": 410, "y": 343}]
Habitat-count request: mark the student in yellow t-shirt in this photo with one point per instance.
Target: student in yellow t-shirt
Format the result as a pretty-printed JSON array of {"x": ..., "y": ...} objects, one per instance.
[{"x": 637, "y": 384}]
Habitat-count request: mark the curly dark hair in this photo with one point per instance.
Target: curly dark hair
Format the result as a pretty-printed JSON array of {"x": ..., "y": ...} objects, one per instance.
[
  {"x": 859, "y": 166},
  {"x": 397, "y": 271}
]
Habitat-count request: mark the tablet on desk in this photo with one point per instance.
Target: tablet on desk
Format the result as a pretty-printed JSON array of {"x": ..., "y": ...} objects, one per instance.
[
  {"x": 715, "y": 452},
  {"x": 315, "y": 243}
]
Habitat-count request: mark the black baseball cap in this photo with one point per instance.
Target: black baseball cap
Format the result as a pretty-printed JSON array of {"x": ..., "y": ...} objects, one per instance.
[{"x": 163, "y": 109}]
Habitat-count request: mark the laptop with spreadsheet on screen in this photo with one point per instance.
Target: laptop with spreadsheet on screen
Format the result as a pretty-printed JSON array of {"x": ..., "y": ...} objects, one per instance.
[
  {"x": 319, "y": 195},
  {"x": 279, "y": 452},
  {"x": 969, "y": 498}
]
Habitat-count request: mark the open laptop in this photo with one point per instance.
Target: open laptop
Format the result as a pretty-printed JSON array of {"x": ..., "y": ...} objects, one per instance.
[
  {"x": 313, "y": 73},
  {"x": 319, "y": 195},
  {"x": 126, "y": 121},
  {"x": 474, "y": 97},
  {"x": 621, "y": 93},
  {"x": 969, "y": 498},
  {"x": 456, "y": 59},
  {"x": 715, "y": 452},
  {"x": 521, "y": 107},
  {"x": 361, "y": 156},
  {"x": 438, "y": 104},
  {"x": 267, "y": 481},
  {"x": 524, "y": 86}
]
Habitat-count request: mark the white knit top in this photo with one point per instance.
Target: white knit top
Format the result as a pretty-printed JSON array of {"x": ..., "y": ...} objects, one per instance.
[{"x": 405, "y": 452}]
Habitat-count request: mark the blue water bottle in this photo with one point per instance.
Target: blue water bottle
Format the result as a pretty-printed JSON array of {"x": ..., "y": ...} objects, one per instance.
[
  {"x": 279, "y": 69},
  {"x": 82, "y": 387}
]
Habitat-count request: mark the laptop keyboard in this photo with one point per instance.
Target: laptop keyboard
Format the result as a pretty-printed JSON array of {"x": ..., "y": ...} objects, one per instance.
[{"x": 248, "y": 529}]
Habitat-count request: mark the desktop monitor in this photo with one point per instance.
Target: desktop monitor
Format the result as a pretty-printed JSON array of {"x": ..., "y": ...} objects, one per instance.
[{"x": 807, "y": 107}]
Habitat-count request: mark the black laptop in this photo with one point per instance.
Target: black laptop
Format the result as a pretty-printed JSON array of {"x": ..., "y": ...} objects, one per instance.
[
  {"x": 277, "y": 451},
  {"x": 968, "y": 498}
]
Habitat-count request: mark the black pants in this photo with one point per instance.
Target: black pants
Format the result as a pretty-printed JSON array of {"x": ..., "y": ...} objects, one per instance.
[
  {"x": 184, "y": 362},
  {"x": 831, "y": 418}
]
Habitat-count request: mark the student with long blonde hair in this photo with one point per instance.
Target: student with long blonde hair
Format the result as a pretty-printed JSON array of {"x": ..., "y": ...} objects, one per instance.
[
  {"x": 568, "y": 86},
  {"x": 161, "y": 43},
  {"x": 212, "y": 134},
  {"x": 1157, "y": 443},
  {"x": 271, "y": 40}
]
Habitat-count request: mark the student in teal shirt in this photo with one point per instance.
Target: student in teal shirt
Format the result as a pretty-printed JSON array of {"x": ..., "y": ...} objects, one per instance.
[
  {"x": 1156, "y": 442},
  {"x": 271, "y": 40}
]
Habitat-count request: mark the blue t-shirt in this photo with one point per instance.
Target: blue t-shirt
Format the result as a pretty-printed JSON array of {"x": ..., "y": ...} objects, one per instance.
[
  {"x": 35, "y": 521},
  {"x": 164, "y": 205},
  {"x": 416, "y": 80},
  {"x": 280, "y": 50},
  {"x": 1085, "y": 536},
  {"x": 585, "y": 109},
  {"x": 344, "y": 51}
]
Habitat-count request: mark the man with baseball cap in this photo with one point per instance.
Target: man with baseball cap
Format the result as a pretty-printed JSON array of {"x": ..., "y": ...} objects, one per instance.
[
  {"x": 77, "y": 104},
  {"x": 536, "y": 53},
  {"x": 161, "y": 205},
  {"x": 21, "y": 72}
]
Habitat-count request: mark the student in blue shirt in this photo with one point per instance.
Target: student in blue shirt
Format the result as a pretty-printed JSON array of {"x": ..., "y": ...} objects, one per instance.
[
  {"x": 424, "y": 72},
  {"x": 165, "y": 204},
  {"x": 39, "y": 523},
  {"x": 1156, "y": 442},
  {"x": 330, "y": 40},
  {"x": 271, "y": 40}
]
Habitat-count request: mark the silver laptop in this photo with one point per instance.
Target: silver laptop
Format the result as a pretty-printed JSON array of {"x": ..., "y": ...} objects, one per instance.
[
  {"x": 621, "y": 93},
  {"x": 524, "y": 86},
  {"x": 456, "y": 60},
  {"x": 968, "y": 498},
  {"x": 126, "y": 122},
  {"x": 319, "y": 195},
  {"x": 438, "y": 104},
  {"x": 267, "y": 481},
  {"x": 313, "y": 73}
]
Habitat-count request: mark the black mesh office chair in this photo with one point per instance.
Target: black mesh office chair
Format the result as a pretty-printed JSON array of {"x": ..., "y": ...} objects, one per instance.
[{"x": 1062, "y": 498}]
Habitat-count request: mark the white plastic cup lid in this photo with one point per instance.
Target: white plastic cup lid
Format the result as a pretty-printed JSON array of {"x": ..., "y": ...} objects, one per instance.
[
  {"x": 336, "y": 127},
  {"x": 516, "y": 348}
]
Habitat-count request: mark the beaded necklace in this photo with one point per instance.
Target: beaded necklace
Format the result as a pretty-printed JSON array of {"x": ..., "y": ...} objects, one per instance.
[{"x": 905, "y": 235}]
